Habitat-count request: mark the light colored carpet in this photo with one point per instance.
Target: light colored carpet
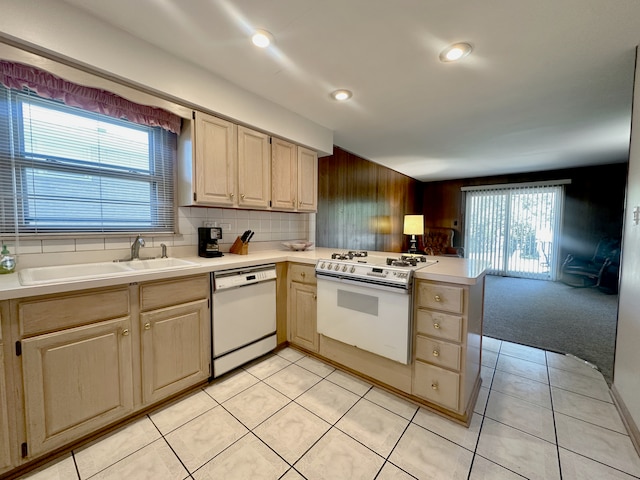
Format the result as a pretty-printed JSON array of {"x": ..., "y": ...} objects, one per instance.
[{"x": 553, "y": 316}]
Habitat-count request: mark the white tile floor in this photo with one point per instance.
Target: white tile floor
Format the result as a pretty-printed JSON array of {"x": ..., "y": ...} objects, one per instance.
[{"x": 539, "y": 415}]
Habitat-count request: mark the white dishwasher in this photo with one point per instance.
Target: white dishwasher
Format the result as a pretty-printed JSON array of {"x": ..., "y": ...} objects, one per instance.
[{"x": 243, "y": 317}]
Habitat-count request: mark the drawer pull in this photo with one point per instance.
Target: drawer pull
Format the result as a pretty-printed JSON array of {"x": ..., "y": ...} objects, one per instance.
[
  {"x": 125, "y": 332},
  {"x": 436, "y": 353},
  {"x": 436, "y": 326},
  {"x": 434, "y": 386},
  {"x": 147, "y": 326},
  {"x": 437, "y": 298},
  {"x": 303, "y": 274}
]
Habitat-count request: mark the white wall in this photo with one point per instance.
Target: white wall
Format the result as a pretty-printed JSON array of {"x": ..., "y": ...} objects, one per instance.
[
  {"x": 627, "y": 359},
  {"x": 60, "y": 28}
]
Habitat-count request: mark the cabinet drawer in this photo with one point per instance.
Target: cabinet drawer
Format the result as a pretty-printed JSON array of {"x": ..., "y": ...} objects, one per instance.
[
  {"x": 441, "y": 297},
  {"x": 172, "y": 292},
  {"x": 56, "y": 313},
  {"x": 302, "y": 273},
  {"x": 436, "y": 385},
  {"x": 440, "y": 325},
  {"x": 443, "y": 354}
]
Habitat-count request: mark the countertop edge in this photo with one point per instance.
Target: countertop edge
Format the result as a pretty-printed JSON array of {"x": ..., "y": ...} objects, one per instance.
[{"x": 451, "y": 270}]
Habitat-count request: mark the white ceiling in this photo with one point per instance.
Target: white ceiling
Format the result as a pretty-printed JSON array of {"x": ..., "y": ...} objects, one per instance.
[{"x": 548, "y": 85}]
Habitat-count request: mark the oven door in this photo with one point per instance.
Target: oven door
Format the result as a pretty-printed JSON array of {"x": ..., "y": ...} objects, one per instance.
[{"x": 377, "y": 320}]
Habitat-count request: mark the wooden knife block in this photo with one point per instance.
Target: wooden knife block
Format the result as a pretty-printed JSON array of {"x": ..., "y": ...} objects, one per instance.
[{"x": 239, "y": 248}]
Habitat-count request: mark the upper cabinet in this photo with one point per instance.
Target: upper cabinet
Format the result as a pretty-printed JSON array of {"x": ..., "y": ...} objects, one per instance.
[
  {"x": 307, "y": 180},
  {"x": 294, "y": 177},
  {"x": 284, "y": 171},
  {"x": 227, "y": 165},
  {"x": 254, "y": 160}
]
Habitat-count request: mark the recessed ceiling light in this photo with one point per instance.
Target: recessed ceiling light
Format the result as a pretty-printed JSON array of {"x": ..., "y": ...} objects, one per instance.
[
  {"x": 341, "y": 95},
  {"x": 262, "y": 38},
  {"x": 455, "y": 52}
]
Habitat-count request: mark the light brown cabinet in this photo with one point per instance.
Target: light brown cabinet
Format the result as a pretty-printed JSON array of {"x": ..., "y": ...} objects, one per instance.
[
  {"x": 307, "y": 180},
  {"x": 302, "y": 307},
  {"x": 207, "y": 168},
  {"x": 5, "y": 451},
  {"x": 447, "y": 344},
  {"x": 284, "y": 174},
  {"x": 254, "y": 162},
  {"x": 175, "y": 336},
  {"x": 294, "y": 177},
  {"x": 91, "y": 358},
  {"x": 227, "y": 165},
  {"x": 76, "y": 381}
]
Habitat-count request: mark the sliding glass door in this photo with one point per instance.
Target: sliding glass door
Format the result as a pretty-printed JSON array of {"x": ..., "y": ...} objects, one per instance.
[{"x": 514, "y": 228}]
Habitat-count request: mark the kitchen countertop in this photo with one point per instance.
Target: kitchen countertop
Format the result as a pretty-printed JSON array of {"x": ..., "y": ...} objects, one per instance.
[{"x": 447, "y": 269}]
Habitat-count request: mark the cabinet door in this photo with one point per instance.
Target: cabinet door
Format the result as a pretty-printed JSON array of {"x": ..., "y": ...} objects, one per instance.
[
  {"x": 76, "y": 381},
  {"x": 176, "y": 349},
  {"x": 5, "y": 454},
  {"x": 215, "y": 175},
  {"x": 253, "y": 168},
  {"x": 284, "y": 175},
  {"x": 302, "y": 315},
  {"x": 307, "y": 180}
]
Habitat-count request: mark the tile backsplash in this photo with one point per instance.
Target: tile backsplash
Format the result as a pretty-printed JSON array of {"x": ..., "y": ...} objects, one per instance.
[{"x": 268, "y": 226}]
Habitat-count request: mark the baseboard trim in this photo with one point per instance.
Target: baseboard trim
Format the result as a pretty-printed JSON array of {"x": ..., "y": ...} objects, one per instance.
[{"x": 630, "y": 425}]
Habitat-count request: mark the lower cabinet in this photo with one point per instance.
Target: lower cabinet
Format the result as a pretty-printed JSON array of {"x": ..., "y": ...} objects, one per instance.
[
  {"x": 175, "y": 349},
  {"x": 75, "y": 382},
  {"x": 89, "y": 359},
  {"x": 5, "y": 451},
  {"x": 447, "y": 341},
  {"x": 302, "y": 307}
]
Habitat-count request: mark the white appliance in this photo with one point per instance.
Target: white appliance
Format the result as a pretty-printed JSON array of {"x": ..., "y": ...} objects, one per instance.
[
  {"x": 243, "y": 316},
  {"x": 366, "y": 301}
]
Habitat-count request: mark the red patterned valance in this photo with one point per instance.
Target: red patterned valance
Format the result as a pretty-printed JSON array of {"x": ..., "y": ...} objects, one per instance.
[{"x": 45, "y": 84}]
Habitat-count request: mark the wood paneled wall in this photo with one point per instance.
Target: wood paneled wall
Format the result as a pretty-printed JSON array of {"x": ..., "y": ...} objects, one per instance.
[
  {"x": 361, "y": 205},
  {"x": 593, "y": 208}
]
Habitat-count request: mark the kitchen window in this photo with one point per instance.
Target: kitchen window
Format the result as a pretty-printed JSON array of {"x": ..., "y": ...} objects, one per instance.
[{"x": 66, "y": 169}]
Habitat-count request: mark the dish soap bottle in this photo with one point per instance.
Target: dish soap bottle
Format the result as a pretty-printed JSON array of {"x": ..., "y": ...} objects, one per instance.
[{"x": 7, "y": 261}]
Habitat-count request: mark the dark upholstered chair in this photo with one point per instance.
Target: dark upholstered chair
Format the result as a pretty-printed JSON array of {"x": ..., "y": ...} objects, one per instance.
[
  {"x": 439, "y": 241},
  {"x": 601, "y": 270}
]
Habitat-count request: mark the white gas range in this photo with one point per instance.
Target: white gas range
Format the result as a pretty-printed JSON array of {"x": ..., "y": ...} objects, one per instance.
[{"x": 366, "y": 301}]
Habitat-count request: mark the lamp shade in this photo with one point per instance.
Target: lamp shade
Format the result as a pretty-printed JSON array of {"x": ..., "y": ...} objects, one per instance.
[{"x": 413, "y": 225}]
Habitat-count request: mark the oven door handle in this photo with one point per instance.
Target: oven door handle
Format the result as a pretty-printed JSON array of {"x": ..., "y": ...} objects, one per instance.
[{"x": 364, "y": 283}]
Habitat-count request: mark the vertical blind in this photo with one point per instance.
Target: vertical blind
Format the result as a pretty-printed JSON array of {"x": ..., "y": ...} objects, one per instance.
[
  {"x": 515, "y": 228},
  {"x": 67, "y": 169}
]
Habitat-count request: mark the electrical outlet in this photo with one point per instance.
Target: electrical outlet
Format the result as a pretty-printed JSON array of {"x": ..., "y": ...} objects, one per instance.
[
  {"x": 210, "y": 224},
  {"x": 226, "y": 227}
]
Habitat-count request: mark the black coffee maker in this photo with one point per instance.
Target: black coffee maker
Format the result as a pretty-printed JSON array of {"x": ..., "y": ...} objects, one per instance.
[{"x": 208, "y": 242}]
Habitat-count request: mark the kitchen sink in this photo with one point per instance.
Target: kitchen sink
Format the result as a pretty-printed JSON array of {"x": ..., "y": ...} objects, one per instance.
[
  {"x": 93, "y": 271},
  {"x": 158, "y": 263}
]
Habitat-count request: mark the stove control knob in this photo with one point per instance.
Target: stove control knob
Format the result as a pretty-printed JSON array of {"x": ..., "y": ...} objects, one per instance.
[
  {"x": 353, "y": 269},
  {"x": 344, "y": 268},
  {"x": 329, "y": 266},
  {"x": 322, "y": 266},
  {"x": 337, "y": 267}
]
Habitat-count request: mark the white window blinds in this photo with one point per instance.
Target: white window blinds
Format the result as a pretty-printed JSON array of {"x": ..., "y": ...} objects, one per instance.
[
  {"x": 66, "y": 169},
  {"x": 515, "y": 228}
]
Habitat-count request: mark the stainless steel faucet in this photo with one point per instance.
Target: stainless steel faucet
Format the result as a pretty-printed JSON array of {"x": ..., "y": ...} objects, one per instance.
[{"x": 135, "y": 247}]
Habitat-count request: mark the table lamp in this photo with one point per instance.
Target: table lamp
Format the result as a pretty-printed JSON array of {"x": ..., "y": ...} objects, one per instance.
[{"x": 413, "y": 225}]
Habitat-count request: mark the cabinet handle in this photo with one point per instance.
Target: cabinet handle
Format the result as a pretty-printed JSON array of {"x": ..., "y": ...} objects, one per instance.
[
  {"x": 303, "y": 274},
  {"x": 437, "y": 298},
  {"x": 293, "y": 202},
  {"x": 434, "y": 386},
  {"x": 125, "y": 332},
  {"x": 315, "y": 296},
  {"x": 231, "y": 194},
  {"x": 436, "y": 353},
  {"x": 436, "y": 326},
  {"x": 300, "y": 202},
  {"x": 242, "y": 196},
  {"x": 147, "y": 326}
]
